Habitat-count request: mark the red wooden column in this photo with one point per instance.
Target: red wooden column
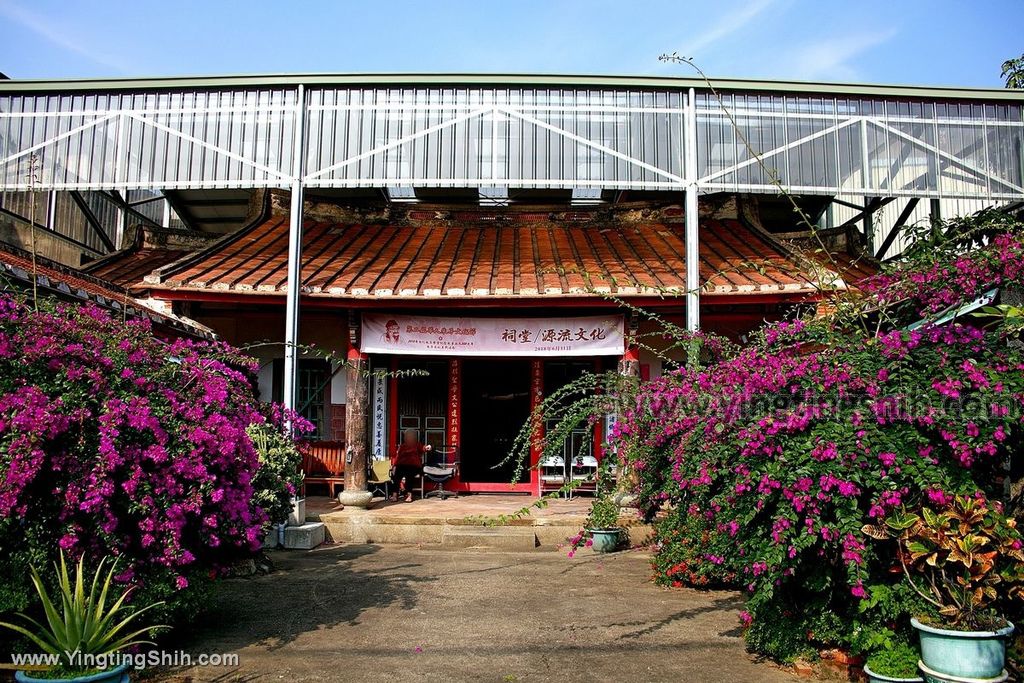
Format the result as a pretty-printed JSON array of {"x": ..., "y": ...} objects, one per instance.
[
  {"x": 455, "y": 408},
  {"x": 536, "y": 397}
]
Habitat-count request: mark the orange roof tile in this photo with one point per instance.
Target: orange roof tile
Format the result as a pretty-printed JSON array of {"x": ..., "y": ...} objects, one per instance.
[
  {"x": 128, "y": 267},
  {"x": 534, "y": 259},
  {"x": 62, "y": 282}
]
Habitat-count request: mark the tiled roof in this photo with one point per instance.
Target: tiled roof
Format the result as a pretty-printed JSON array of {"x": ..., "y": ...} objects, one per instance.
[
  {"x": 56, "y": 280},
  {"x": 128, "y": 267},
  {"x": 526, "y": 259},
  {"x": 854, "y": 268},
  {"x": 151, "y": 248}
]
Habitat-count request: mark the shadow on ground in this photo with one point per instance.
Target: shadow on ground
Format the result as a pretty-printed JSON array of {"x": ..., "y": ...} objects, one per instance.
[
  {"x": 398, "y": 613},
  {"x": 306, "y": 592}
]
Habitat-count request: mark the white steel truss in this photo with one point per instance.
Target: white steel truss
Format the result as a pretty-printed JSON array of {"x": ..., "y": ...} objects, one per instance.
[{"x": 492, "y": 137}]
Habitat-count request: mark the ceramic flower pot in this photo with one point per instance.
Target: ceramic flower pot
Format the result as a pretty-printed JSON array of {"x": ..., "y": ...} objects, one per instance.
[
  {"x": 962, "y": 655},
  {"x": 879, "y": 678},
  {"x": 604, "y": 540},
  {"x": 119, "y": 674}
]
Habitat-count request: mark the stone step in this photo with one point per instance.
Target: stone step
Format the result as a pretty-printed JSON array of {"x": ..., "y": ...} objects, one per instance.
[
  {"x": 544, "y": 532},
  {"x": 500, "y": 538},
  {"x": 305, "y": 536}
]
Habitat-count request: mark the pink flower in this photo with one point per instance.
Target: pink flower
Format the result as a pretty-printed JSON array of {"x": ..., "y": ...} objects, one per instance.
[{"x": 938, "y": 496}]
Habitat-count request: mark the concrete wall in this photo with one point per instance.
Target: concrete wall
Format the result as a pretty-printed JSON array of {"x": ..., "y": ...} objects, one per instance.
[
  {"x": 48, "y": 245},
  {"x": 264, "y": 333}
]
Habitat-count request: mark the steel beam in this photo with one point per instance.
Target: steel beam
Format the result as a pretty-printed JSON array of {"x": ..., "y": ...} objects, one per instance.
[
  {"x": 291, "y": 311},
  {"x": 92, "y": 220},
  {"x": 871, "y": 204},
  {"x": 690, "y": 209},
  {"x": 894, "y": 231},
  {"x": 849, "y": 205},
  {"x": 115, "y": 198}
]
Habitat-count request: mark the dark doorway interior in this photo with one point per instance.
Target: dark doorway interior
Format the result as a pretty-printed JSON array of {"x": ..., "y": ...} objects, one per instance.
[
  {"x": 557, "y": 374},
  {"x": 421, "y": 402},
  {"x": 495, "y": 406}
]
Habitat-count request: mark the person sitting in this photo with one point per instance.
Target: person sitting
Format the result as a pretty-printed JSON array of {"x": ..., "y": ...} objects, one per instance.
[{"x": 406, "y": 465}]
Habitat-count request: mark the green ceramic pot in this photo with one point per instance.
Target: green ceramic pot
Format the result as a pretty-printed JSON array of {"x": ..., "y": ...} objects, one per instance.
[
  {"x": 605, "y": 540},
  {"x": 962, "y": 655},
  {"x": 879, "y": 678},
  {"x": 118, "y": 674}
]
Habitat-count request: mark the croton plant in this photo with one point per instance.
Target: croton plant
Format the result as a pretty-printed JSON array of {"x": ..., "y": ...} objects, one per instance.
[{"x": 964, "y": 558}]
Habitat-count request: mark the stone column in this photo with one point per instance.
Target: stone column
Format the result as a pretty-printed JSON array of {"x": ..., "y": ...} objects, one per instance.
[{"x": 357, "y": 400}]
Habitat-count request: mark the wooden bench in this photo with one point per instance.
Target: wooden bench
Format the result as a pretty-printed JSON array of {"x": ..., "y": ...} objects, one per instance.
[{"x": 324, "y": 463}]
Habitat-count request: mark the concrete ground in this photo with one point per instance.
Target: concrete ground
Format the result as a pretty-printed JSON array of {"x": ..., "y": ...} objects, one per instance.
[{"x": 407, "y": 613}]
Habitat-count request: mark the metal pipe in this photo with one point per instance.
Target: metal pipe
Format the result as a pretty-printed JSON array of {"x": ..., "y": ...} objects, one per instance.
[
  {"x": 690, "y": 217},
  {"x": 291, "y": 311}
]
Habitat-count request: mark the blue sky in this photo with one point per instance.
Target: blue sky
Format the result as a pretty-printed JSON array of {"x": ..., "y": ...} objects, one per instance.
[{"x": 933, "y": 42}]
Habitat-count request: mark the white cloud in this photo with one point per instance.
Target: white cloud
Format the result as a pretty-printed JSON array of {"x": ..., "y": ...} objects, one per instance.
[
  {"x": 56, "y": 37},
  {"x": 831, "y": 58},
  {"x": 728, "y": 24}
]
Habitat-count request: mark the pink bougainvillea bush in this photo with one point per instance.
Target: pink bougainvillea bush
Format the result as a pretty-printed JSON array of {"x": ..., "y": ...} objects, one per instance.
[
  {"x": 113, "y": 442},
  {"x": 766, "y": 466},
  {"x": 952, "y": 263}
]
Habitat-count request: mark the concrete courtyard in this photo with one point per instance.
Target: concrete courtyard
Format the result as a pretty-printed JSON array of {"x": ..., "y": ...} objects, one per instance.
[{"x": 406, "y": 613}]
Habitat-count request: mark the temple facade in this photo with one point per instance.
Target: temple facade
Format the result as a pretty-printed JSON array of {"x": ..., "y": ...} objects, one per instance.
[{"x": 483, "y": 239}]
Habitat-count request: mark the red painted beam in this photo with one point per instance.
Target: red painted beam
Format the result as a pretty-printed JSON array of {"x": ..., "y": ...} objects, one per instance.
[{"x": 317, "y": 303}]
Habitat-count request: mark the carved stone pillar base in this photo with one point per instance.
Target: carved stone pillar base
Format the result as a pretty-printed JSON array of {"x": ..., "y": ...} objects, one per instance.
[
  {"x": 355, "y": 499},
  {"x": 624, "y": 499}
]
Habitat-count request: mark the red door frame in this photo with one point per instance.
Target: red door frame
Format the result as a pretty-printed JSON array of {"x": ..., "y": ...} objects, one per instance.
[
  {"x": 536, "y": 397},
  {"x": 454, "y": 426}
]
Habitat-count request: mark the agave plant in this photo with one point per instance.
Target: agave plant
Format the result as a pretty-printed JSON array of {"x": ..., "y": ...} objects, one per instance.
[
  {"x": 81, "y": 623},
  {"x": 968, "y": 554}
]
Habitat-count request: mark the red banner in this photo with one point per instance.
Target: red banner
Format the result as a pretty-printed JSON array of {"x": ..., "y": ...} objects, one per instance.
[{"x": 454, "y": 401}]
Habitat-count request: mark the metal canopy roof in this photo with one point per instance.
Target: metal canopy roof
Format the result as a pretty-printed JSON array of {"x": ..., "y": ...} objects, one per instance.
[
  {"x": 506, "y": 80},
  {"x": 511, "y": 131}
]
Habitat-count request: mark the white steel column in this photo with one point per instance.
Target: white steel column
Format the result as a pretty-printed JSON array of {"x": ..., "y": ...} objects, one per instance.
[
  {"x": 291, "y": 311},
  {"x": 690, "y": 215}
]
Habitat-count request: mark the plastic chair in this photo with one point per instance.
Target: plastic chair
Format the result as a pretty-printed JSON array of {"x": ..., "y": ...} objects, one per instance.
[
  {"x": 584, "y": 470},
  {"x": 552, "y": 473}
]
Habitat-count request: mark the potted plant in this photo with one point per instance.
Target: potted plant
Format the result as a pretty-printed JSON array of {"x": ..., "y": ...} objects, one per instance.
[
  {"x": 603, "y": 524},
  {"x": 81, "y": 631},
  {"x": 963, "y": 559},
  {"x": 896, "y": 664}
]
